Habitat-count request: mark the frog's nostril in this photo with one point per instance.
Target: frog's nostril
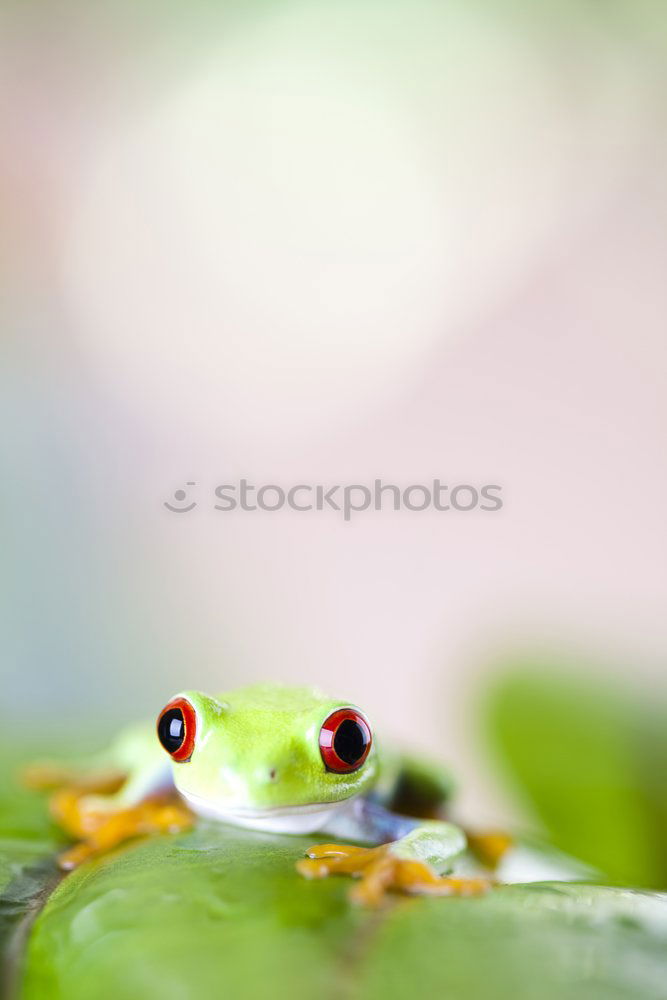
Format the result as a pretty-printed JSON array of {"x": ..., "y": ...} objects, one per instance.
[{"x": 273, "y": 774}]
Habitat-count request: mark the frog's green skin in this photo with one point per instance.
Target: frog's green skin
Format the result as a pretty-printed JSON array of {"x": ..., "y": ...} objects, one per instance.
[{"x": 257, "y": 763}]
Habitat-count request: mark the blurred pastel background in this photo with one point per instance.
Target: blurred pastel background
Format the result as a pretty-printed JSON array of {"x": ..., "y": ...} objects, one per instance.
[{"x": 329, "y": 242}]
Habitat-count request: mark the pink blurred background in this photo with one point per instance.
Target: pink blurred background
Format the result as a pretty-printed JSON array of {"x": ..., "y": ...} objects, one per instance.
[{"x": 329, "y": 243}]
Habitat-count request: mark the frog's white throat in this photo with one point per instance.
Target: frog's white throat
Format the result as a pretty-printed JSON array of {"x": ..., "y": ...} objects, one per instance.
[{"x": 274, "y": 819}]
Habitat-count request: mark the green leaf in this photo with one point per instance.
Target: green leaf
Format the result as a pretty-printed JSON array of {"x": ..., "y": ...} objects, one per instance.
[
  {"x": 591, "y": 762},
  {"x": 28, "y": 840},
  {"x": 222, "y": 913}
]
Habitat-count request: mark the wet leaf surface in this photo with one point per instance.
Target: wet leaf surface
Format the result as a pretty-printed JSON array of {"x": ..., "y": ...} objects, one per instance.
[{"x": 217, "y": 912}]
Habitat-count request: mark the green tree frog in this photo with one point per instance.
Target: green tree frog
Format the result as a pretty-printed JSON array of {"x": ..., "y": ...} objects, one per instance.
[{"x": 287, "y": 760}]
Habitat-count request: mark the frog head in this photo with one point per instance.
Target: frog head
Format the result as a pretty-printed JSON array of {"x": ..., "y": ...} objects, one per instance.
[{"x": 269, "y": 757}]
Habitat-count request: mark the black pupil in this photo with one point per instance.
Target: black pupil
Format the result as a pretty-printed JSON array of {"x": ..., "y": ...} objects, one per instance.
[
  {"x": 171, "y": 729},
  {"x": 350, "y": 741}
]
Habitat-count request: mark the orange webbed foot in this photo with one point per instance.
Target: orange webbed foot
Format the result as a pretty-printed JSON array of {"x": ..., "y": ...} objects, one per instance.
[
  {"x": 102, "y": 831},
  {"x": 489, "y": 846},
  {"x": 380, "y": 871}
]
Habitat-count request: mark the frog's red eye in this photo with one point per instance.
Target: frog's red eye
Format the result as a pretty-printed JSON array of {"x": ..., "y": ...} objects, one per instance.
[
  {"x": 345, "y": 740},
  {"x": 176, "y": 729}
]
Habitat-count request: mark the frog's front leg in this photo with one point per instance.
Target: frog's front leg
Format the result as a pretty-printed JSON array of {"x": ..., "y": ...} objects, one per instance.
[
  {"x": 415, "y": 864},
  {"x": 102, "y": 809},
  {"x": 100, "y": 827}
]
